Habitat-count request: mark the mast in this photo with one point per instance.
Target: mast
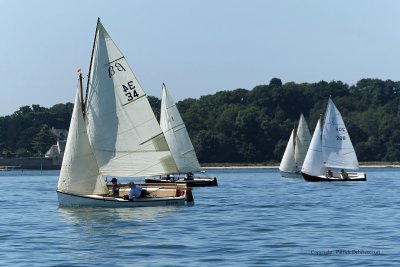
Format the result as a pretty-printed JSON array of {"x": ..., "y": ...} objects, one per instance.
[
  {"x": 294, "y": 136},
  {"x": 81, "y": 91},
  {"x": 91, "y": 60},
  {"x": 294, "y": 146},
  {"x": 321, "y": 124}
]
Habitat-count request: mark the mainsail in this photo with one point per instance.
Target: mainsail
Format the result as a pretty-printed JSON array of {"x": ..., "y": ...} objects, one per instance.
[
  {"x": 338, "y": 151},
  {"x": 176, "y": 135},
  {"x": 123, "y": 131}
]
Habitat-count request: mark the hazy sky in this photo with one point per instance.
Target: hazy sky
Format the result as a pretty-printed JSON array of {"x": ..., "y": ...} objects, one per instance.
[{"x": 195, "y": 47}]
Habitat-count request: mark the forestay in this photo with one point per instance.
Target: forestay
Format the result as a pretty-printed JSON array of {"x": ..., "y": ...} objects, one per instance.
[
  {"x": 338, "y": 151},
  {"x": 176, "y": 135},
  {"x": 123, "y": 131}
]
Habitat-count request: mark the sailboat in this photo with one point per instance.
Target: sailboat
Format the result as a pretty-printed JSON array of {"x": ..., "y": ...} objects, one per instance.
[
  {"x": 331, "y": 152},
  {"x": 181, "y": 147},
  {"x": 113, "y": 132},
  {"x": 295, "y": 151}
]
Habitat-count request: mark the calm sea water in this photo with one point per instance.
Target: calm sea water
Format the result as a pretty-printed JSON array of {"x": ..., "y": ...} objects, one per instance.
[{"x": 253, "y": 218}]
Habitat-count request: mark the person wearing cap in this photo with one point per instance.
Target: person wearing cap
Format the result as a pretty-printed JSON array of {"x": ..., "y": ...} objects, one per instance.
[{"x": 115, "y": 188}]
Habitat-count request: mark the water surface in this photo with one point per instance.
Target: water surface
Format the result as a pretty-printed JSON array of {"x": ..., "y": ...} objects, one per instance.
[{"x": 253, "y": 218}]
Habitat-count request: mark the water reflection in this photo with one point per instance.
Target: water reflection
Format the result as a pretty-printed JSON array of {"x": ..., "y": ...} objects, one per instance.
[{"x": 114, "y": 215}]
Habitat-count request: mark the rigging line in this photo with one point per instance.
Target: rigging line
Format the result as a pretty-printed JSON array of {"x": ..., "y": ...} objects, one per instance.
[{"x": 91, "y": 59}]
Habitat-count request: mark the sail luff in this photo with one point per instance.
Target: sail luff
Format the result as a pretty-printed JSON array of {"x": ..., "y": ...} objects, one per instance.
[{"x": 176, "y": 135}]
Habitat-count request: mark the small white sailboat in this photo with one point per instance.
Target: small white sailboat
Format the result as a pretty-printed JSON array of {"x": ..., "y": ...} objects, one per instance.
[
  {"x": 114, "y": 132},
  {"x": 295, "y": 151},
  {"x": 180, "y": 145},
  {"x": 331, "y": 152}
]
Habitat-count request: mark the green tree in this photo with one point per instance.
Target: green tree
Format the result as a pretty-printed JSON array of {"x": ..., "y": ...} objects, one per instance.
[{"x": 43, "y": 140}]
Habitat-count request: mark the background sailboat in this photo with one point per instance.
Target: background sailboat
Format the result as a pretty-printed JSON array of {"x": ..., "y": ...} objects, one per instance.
[
  {"x": 331, "y": 151},
  {"x": 296, "y": 150},
  {"x": 180, "y": 145},
  {"x": 113, "y": 132}
]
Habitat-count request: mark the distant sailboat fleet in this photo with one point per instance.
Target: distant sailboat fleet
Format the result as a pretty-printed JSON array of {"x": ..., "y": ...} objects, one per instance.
[{"x": 330, "y": 154}]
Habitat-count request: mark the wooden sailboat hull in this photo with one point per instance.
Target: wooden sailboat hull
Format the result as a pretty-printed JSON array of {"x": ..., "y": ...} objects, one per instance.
[
  {"x": 161, "y": 198},
  {"x": 194, "y": 182},
  {"x": 70, "y": 200},
  {"x": 353, "y": 177}
]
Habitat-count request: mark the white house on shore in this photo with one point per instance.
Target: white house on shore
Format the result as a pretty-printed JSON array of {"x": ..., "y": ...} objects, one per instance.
[{"x": 56, "y": 152}]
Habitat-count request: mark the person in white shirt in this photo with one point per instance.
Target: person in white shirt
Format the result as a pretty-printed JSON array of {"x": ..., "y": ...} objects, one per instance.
[{"x": 136, "y": 191}]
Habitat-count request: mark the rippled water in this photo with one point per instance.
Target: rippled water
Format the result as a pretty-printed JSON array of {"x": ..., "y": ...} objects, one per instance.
[{"x": 253, "y": 218}]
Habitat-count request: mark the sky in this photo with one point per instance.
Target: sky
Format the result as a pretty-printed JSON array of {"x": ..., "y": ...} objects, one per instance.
[{"x": 196, "y": 47}]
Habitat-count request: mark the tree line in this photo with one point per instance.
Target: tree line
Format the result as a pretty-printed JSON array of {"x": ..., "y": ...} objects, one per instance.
[{"x": 245, "y": 126}]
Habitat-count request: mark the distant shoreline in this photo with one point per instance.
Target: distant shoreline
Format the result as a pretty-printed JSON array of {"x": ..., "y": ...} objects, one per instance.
[
  {"x": 234, "y": 167},
  {"x": 363, "y": 165}
]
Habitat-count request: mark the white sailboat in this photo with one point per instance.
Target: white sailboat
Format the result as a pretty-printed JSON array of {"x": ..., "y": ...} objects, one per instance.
[
  {"x": 113, "y": 132},
  {"x": 180, "y": 145},
  {"x": 331, "y": 152},
  {"x": 295, "y": 151}
]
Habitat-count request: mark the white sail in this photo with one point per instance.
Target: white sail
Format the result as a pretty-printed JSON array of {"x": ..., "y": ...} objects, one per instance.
[
  {"x": 302, "y": 142},
  {"x": 176, "y": 135},
  {"x": 313, "y": 163},
  {"x": 123, "y": 131},
  {"x": 79, "y": 171},
  {"x": 288, "y": 163},
  {"x": 338, "y": 151}
]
